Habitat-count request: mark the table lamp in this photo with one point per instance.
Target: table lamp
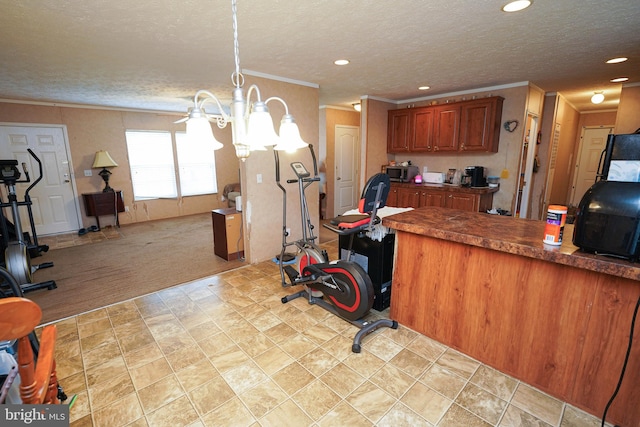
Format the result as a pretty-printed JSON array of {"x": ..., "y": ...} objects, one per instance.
[{"x": 103, "y": 160}]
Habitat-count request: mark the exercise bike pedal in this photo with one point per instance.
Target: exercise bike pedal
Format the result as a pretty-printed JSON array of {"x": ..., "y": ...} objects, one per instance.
[{"x": 291, "y": 273}]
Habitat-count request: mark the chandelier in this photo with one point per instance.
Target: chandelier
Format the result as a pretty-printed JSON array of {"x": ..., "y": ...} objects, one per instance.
[{"x": 251, "y": 123}]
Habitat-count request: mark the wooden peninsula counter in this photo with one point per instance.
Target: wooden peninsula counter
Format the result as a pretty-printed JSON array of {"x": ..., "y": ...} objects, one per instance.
[{"x": 554, "y": 317}]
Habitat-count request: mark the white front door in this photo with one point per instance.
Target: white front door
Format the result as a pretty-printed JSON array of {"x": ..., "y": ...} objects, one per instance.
[
  {"x": 592, "y": 143},
  {"x": 346, "y": 174},
  {"x": 54, "y": 204}
]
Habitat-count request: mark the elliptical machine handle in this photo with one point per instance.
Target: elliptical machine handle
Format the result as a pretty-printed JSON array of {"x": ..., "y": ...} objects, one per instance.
[{"x": 26, "y": 192}]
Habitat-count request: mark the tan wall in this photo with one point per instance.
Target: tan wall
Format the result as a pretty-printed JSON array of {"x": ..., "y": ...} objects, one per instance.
[
  {"x": 628, "y": 119},
  {"x": 263, "y": 202},
  {"x": 376, "y": 121},
  {"x": 568, "y": 118},
  {"x": 90, "y": 130}
]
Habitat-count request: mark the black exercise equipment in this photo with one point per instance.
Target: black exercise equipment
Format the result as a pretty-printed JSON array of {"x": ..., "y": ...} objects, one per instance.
[
  {"x": 341, "y": 287},
  {"x": 16, "y": 244}
]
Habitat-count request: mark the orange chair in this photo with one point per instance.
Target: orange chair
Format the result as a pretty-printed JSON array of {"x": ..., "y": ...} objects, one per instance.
[{"x": 38, "y": 381}]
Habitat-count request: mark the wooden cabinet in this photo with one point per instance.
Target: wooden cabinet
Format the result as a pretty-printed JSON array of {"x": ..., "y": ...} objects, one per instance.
[
  {"x": 415, "y": 196},
  {"x": 398, "y": 131},
  {"x": 447, "y": 127},
  {"x": 480, "y": 125},
  {"x": 103, "y": 204},
  {"x": 227, "y": 233},
  {"x": 456, "y": 127}
]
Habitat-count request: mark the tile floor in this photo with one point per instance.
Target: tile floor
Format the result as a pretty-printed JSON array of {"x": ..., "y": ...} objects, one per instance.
[{"x": 224, "y": 351}]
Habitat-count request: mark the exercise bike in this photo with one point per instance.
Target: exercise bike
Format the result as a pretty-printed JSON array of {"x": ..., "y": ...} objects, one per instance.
[
  {"x": 341, "y": 287},
  {"x": 18, "y": 249}
]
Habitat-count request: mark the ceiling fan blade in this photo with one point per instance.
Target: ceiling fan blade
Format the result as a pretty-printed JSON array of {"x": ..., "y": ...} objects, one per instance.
[{"x": 184, "y": 119}]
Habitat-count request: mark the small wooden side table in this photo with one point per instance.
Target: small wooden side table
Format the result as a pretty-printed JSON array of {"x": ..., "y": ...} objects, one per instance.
[
  {"x": 102, "y": 204},
  {"x": 227, "y": 235}
]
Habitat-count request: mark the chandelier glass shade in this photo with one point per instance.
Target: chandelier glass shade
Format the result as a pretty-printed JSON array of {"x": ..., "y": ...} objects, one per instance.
[{"x": 251, "y": 123}]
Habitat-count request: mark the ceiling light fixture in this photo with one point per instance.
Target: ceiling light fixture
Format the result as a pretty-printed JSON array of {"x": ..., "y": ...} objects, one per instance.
[
  {"x": 597, "y": 98},
  {"x": 341, "y": 61},
  {"x": 617, "y": 60},
  {"x": 516, "y": 6},
  {"x": 619, "y": 79},
  {"x": 357, "y": 106},
  {"x": 251, "y": 124},
  {"x": 424, "y": 88}
]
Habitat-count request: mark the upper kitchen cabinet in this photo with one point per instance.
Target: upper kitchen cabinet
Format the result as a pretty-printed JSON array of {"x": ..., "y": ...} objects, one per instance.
[
  {"x": 480, "y": 124},
  {"x": 410, "y": 130},
  {"x": 472, "y": 126}
]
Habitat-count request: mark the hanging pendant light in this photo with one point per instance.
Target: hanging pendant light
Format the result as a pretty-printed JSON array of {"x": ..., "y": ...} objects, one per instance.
[{"x": 252, "y": 125}]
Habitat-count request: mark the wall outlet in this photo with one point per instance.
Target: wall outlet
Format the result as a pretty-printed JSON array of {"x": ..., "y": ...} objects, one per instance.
[
  {"x": 88, "y": 172},
  {"x": 259, "y": 178},
  {"x": 126, "y": 208}
]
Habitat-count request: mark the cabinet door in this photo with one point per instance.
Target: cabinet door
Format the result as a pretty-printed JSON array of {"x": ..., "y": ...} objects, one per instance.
[
  {"x": 480, "y": 125},
  {"x": 398, "y": 131},
  {"x": 392, "y": 198},
  {"x": 408, "y": 198},
  {"x": 422, "y": 135},
  {"x": 463, "y": 201},
  {"x": 432, "y": 198},
  {"x": 446, "y": 127}
]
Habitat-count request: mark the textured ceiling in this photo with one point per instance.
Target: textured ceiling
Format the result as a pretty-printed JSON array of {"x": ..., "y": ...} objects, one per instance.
[{"x": 155, "y": 54}]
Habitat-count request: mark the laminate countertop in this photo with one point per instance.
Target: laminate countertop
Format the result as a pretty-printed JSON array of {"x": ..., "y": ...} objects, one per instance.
[
  {"x": 506, "y": 234},
  {"x": 447, "y": 187}
]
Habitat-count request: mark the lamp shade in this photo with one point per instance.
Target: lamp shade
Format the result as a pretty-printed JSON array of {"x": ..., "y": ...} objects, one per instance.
[
  {"x": 104, "y": 160},
  {"x": 199, "y": 129},
  {"x": 260, "y": 131},
  {"x": 290, "y": 139}
]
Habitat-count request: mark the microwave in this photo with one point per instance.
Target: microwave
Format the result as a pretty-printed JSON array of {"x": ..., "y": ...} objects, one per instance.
[{"x": 400, "y": 173}]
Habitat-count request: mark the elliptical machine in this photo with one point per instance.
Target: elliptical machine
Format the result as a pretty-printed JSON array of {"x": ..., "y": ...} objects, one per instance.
[
  {"x": 345, "y": 284},
  {"x": 18, "y": 249}
]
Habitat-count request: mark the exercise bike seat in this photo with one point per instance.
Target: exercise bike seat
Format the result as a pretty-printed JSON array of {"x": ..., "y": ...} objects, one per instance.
[{"x": 374, "y": 197}]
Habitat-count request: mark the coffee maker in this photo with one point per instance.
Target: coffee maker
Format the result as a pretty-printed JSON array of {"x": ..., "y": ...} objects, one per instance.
[{"x": 474, "y": 177}]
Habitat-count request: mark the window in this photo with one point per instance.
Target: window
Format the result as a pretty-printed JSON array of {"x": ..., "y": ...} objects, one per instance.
[
  {"x": 153, "y": 171},
  {"x": 197, "y": 166}
]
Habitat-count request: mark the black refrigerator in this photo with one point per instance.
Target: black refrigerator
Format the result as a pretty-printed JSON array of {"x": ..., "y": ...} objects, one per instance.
[{"x": 620, "y": 160}]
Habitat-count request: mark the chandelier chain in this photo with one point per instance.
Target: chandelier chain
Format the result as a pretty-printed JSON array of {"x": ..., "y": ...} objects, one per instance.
[{"x": 236, "y": 78}]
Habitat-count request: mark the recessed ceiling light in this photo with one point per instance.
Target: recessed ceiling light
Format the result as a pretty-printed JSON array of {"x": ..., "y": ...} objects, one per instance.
[
  {"x": 424, "y": 88},
  {"x": 619, "y": 80},
  {"x": 617, "y": 60},
  {"x": 515, "y": 6},
  {"x": 597, "y": 98},
  {"x": 341, "y": 62}
]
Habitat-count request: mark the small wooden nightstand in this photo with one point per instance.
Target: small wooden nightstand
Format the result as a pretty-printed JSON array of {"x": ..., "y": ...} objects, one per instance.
[
  {"x": 99, "y": 204},
  {"x": 227, "y": 236}
]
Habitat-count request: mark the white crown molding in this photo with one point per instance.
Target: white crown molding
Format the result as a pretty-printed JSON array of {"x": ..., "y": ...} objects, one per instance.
[{"x": 280, "y": 79}]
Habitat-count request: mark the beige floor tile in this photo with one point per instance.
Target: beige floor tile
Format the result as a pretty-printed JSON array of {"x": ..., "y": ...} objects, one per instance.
[
  {"x": 244, "y": 376},
  {"x": 118, "y": 413},
  {"x": 81, "y": 406},
  {"x": 197, "y": 374},
  {"x": 105, "y": 371},
  {"x": 494, "y": 382},
  {"x": 263, "y": 398},
  {"x": 216, "y": 344},
  {"x": 318, "y": 361},
  {"x": 103, "y": 354},
  {"x": 97, "y": 339},
  {"x": 286, "y": 415},
  {"x": 89, "y": 328},
  {"x": 365, "y": 363},
  {"x": 573, "y": 417},
  {"x": 536, "y": 403},
  {"x": 110, "y": 390},
  {"x": 410, "y": 363},
  {"x": 136, "y": 341},
  {"x": 134, "y": 326},
  {"x": 458, "y": 363},
  {"x": 92, "y": 316},
  {"x": 319, "y": 333},
  {"x": 230, "y": 413},
  {"x": 211, "y": 395},
  {"x": 516, "y": 417},
  {"x": 443, "y": 381},
  {"x": 457, "y": 416},
  {"x": 297, "y": 345},
  {"x": 273, "y": 360},
  {"x": 143, "y": 355},
  {"x": 393, "y": 380},
  {"x": 426, "y": 402},
  {"x": 481, "y": 403},
  {"x": 342, "y": 379},
  {"x": 203, "y": 330},
  {"x": 145, "y": 375},
  {"x": 229, "y": 358},
  {"x": 371, "y": 401},
  {"x": 381, "y": 346},
  {"x": 73, "y": 384},
  {"x": 316, "y": 399},
  {"x": 401, "y": 415},
  {"x": 160, "y": 393},
  {"x": 339, "y": 347},
  {"x": 426, "y": 347},
  {"x": 179, "y": 412},
  {"x": 344, "y": 415},
  {"x": 292, "y": 378},
  {"x": 175, "y": 342},
  {"x": 257, "y": 346}
]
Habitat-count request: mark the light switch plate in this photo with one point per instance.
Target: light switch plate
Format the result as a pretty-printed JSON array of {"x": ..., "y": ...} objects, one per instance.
[{"x": 88, "y": 172}]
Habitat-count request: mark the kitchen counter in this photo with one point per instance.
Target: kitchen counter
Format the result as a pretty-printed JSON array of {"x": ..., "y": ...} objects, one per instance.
[
  {"x": 447, "y": 187},
  {"x": 553, "y": 317},
  {"x": 502, "y": 233}
]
